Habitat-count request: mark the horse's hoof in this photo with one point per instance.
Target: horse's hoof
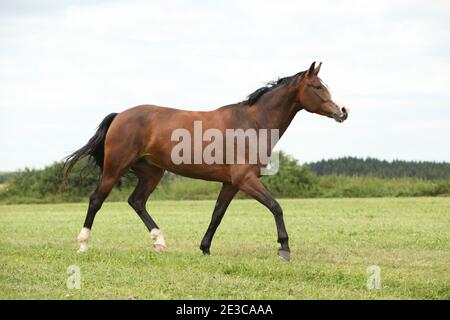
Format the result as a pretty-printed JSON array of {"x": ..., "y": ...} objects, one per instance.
[
  {"x": 285, "y": 255},
  {"x": 206, "y": 252},
  {"x": 83, "y": 248},
  {"x": 159, "y": 248}
]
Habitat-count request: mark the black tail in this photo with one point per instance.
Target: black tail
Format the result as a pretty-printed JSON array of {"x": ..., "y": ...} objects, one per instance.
[{"x": 95, "y": 147}]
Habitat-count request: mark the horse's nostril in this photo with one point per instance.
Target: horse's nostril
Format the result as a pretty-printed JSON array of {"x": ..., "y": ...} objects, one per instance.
[{"x": 344, "y": 113}]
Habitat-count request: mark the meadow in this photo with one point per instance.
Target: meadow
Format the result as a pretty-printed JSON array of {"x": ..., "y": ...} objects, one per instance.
[{"x": 333, "y": 242}]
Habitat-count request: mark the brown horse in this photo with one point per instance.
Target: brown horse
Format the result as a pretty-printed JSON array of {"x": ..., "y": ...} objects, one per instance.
[{"x": 140, "y": 139}]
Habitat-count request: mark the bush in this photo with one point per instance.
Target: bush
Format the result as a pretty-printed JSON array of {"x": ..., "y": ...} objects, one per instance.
[
  {"x": 292, "y": 180},
  {"x": 361, "y": 186}
]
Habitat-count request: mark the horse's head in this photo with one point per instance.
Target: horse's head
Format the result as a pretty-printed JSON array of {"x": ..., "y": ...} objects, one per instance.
[{"x": 313, "y": 96}]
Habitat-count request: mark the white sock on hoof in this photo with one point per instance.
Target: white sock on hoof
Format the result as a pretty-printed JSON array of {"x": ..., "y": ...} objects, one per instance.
[
  {"x": 157, "y": 236},
  {"x": 83, "y": 238}
]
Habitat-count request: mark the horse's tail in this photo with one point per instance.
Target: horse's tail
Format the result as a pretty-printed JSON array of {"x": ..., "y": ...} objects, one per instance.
[{"x": 95, "y": 148}]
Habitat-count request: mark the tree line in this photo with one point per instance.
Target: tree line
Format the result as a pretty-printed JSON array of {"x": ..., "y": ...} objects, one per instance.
[{"x": 351, "y": 166}]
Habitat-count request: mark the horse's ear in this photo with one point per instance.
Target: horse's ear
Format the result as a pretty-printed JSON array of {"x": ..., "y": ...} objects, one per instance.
[
  {"x": 311, "y": 69},
  {"x": 316, "y": 70}
]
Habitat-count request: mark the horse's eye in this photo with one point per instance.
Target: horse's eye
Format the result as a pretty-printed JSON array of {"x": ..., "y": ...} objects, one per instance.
[{"x": 318, "y": 87}]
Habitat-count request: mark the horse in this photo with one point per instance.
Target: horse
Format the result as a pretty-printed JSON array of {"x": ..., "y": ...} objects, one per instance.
[{"x": 140, "y": 140}]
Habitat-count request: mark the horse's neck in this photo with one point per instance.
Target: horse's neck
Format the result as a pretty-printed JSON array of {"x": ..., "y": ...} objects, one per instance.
[{"x": 276, "y": 110}]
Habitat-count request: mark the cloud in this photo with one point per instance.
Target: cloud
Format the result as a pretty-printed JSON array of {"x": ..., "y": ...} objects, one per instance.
[{"x": 67, "y": 65}]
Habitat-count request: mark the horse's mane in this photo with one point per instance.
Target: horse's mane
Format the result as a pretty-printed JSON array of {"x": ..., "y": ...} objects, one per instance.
[{"x": 257, "y": 94}]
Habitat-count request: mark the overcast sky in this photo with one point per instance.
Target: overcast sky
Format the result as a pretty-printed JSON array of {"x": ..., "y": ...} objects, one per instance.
[{"x": 64, "y": 65}]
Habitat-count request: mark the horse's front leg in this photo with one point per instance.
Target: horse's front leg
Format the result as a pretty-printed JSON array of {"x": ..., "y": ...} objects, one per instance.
[
  {"x": 225, "y": 196},
  {"x": 252, "y": 186}
]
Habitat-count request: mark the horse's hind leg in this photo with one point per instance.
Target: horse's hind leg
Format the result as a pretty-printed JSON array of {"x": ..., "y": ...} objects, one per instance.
[
  {"x": 148, "y": 178},
  {"x": 114, "y": 168},
  {"x": 95, "y": 203}
]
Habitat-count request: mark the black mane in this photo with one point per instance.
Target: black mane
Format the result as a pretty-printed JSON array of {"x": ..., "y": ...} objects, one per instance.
[{"x": 255, "y": 96}]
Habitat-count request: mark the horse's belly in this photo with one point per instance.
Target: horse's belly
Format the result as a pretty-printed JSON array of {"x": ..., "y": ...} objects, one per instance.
[{"x": 213, "y": 172}]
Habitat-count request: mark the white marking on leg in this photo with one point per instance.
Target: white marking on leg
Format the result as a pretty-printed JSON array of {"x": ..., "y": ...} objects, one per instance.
[
  {"x": 157, "y": 236},
  {"x": 83, "y": 239}
]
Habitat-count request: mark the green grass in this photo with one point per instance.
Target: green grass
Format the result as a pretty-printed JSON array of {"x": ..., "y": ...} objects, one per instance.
[{"x": 333, "y": 241}]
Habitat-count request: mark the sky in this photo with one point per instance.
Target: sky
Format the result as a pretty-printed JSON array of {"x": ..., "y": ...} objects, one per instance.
[{"x": 65, "y": 65}]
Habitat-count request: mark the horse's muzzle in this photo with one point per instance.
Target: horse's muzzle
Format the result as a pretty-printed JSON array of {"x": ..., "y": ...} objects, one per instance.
[{"x": 341, "y": 115}]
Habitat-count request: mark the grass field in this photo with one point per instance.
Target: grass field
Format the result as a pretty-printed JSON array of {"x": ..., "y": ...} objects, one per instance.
[{"x": 333, "y": 242}]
